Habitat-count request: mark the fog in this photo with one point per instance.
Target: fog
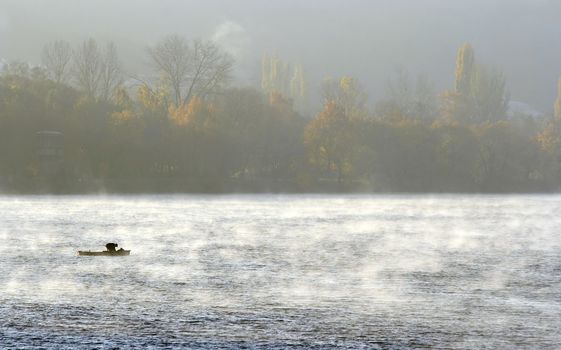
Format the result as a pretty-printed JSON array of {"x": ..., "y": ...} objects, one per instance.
[
  {"x": 365, "y": 39},
  {"x": 445, "y": 271}
]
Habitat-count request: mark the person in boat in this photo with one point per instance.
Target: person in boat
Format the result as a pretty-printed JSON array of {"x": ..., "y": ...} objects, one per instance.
[{"x": 111, "y": 247}]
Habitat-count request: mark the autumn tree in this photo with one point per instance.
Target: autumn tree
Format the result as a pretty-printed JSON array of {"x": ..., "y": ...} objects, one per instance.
[
  {"x": 329, "y": 138},
  {"x": 346, "y": 93},
  {"x": 153, "y": 100},
  {"x": 465, "y": 69},
  {"x": 280, "y": 78},
  {"x": 275, "y": 76},
  {"x": 125, "y": 106},
  {"x": 298, "y": 88},
  {"x": 557, "y": 106},
  {"x": 191, "y": 122},
  {"x": 155, "y": 138},
  {"x": 480, "y": 93},
  {"x": 550, "y": 138},
  {"x": 458, "y": 104}
]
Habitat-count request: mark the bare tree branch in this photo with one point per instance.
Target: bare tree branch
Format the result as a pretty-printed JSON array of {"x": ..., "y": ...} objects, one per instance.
[
  {"x": 98, "y": 73},
  {"x": 88, "y": 67},
  {"x": 199, "y": 69},
  {"x": 111, "y": 72},
  {"x": 56, "y": 58},
  {"x": 171, "y": 57}
]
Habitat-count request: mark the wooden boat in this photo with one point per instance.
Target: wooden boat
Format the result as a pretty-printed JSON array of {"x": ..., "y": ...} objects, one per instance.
[{"x": 111, "y": 251}]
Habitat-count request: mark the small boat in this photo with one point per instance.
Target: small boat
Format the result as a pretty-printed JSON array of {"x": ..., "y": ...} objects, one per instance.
[
  {"x": 120, "y": 252},
  {"x": 111, "y": 251}
]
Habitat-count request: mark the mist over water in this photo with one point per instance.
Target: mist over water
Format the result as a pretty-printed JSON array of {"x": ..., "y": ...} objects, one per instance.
[
  {"x": 362, "y": 38},
  {"x": 448, "y": 271}
]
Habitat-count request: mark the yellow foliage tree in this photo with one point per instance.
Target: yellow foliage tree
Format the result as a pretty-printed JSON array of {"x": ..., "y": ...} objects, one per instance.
[
  {"x": 329, "y": 138},
  {"x": 550, "y": 137},
  {"x": 154, "y": 101},
  {"x": 196, "y": 114},
  {"x": 465, "y": 68},
  {"x": 122, "y": 100},
  {"x": 557, "y": 106},
  {"x": 347, "y": 94}
]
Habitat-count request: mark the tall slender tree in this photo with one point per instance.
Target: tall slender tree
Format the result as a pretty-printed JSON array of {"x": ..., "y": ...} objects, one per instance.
[
  {"x": 465, "y": 68},
  {"x": 480, "y": 93},
  {"x": 557, "y": 106}
]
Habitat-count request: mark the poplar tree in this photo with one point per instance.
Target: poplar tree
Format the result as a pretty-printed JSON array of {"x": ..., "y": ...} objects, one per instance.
[
  {"x": 557, "y": 106},
  {"x": 465, "y": 67},
  {"x": 279, "y": 78},
  {"x": 480, "y": 93}
]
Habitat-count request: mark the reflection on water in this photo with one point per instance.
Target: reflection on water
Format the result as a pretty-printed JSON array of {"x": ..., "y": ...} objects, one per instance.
[{"x": 282, "y": 271}]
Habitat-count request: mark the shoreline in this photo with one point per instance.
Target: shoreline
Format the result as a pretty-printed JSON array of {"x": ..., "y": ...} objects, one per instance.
[{"x": 232, "y": 187}]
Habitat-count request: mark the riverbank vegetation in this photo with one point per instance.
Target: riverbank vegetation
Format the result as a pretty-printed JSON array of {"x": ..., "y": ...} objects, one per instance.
[{"x": 192, "y": 130}]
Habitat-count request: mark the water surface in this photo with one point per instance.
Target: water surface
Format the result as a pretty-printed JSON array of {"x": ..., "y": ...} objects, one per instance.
[{"x": 265, "y": 271}]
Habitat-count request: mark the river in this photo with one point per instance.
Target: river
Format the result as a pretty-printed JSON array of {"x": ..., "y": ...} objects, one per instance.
[{"x": 286, "y": 271}]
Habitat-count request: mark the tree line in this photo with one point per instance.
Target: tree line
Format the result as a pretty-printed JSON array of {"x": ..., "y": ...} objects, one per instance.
[{"x": 184, "y": 127}]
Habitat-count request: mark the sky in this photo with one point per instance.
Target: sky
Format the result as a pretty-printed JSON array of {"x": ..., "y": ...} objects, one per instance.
[{"x": 366, "y": 39}]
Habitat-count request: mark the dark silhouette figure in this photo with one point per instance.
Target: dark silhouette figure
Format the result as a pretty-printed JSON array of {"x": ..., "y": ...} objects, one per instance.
[{"x": 111, "y": 246}]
